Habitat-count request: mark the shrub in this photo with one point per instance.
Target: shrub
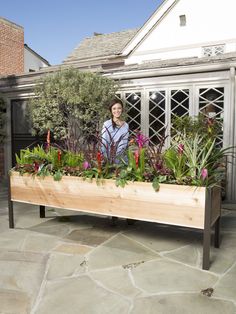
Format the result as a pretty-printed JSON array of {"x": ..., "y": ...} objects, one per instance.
[{"x": 72, "y": 104}]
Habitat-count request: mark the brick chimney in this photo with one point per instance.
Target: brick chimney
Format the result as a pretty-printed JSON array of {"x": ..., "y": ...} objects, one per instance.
[{"x": 11, "y": 48}]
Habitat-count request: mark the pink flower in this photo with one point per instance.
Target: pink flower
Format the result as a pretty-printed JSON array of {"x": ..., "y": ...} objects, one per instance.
[
  {"x": 141, "y": 139},
  {"x": 204, "y": 173},
  {"x": 86, "y": 165},
  {"x": 180, "y": 149}
]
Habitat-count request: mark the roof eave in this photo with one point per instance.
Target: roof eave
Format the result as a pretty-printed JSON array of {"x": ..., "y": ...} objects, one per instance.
[
  {"x": 162, "y": 9},
  {"x": 36, "y": 54}
]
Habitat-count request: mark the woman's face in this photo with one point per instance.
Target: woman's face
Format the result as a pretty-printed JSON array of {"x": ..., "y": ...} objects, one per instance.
[{"x": 116, "y": 110}]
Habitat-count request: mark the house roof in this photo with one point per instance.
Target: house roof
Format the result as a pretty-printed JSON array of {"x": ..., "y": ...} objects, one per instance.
[
  {"x": 36, "y": 54},
  {"x": 26, "y": 81},
  {"x": 161, "y": 11},
  {"x": 101, "y": 45}
]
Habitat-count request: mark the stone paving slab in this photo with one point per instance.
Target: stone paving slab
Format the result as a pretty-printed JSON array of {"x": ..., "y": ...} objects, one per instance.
[
  {"x": 80, "y": 295},
  {"x": 22, "y": 272},
  {"x": 161, "y": 237},
  {"x": 168, "y": 276},
  {"x": 118, "y": 251},
  {"x": 182, "y": 304},
  {"x": 75, "y": 263},
  {"x": 61, "y": 266},
  {"x": 226, "y": 286},
  {"x": 119, "y": 280},
  {"x": 14, "y": 302}
]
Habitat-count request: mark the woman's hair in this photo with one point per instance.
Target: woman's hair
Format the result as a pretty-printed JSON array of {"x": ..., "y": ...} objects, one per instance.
[{"x": 112, "y": 103}]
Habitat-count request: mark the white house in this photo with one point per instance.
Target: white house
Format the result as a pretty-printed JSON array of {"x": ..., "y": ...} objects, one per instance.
[
  {"x": 180, "y": 62},
  {"x": 183, "y": 29},
  {"x": 33, "y": 61}
]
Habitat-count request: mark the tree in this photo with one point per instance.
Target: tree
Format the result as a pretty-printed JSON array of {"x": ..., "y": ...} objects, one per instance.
[{"x": 72, "y": 105}]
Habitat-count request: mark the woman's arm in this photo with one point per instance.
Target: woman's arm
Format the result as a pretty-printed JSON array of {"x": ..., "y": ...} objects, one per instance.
[{"x": 105, "y": 143}]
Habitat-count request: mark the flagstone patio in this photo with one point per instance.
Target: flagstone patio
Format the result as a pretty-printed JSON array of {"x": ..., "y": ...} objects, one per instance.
[{"x": 71, "y": 263}]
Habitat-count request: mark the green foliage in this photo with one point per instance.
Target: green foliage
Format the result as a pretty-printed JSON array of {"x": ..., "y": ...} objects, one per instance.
[
  {"x": 23, "y": 158},
  {"x": 57, "y": 175},
  {"x": 2, "y": 120},
  {"x": 202, "y": 125},
  {"x": 134, "y": 170},
  {"x": 72, "y": 160},
  {"x": 199, "y": 162},
  {"x": 71, "y": 104},
  {"x": 176, "y": 163},
  {"x": 192, "y": 159}
]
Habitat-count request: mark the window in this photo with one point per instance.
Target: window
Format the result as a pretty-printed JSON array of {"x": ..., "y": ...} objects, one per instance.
[
  {"x": 182, "y": 20},
  {"x": 157, "y": 116},
  {"x": 211, "y": 105},
  {"x": 210, "y": 51},
  {"x": 133, "y": 108}
]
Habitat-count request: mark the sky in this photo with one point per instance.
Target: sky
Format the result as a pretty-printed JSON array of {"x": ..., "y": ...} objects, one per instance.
[{"x": 53, "y": 28}]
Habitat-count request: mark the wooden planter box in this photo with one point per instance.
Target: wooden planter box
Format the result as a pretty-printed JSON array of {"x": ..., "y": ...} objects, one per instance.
[{"x": 187, "y": 206}]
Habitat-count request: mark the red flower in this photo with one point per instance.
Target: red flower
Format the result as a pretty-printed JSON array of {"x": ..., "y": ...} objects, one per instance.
[
  {"x": 99, "y": 161},
  {"x": 59, "y": 155},
  {"x": 36, "y": 166},
  {"x": 48, "y": 138},
  {"x": 136, "y": 156}
]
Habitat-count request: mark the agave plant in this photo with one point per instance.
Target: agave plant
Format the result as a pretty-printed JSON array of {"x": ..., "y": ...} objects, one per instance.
[{"x": 196, "y": 161}]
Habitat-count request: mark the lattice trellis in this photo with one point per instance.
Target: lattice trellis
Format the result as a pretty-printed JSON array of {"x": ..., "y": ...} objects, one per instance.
[
  {"x": 164, "y": 105},
  {"x": 179, "y": 105},
  {"x": 133, "y": 109},
  {"x": 213, "y": 50},
  {"x": 211, "y": 104},
  {"x": 157, "y": 116}
]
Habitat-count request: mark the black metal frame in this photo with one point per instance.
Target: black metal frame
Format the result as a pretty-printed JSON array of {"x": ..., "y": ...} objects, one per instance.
[
  {"x": 42, "y": 211},
  {"x": 10, "y": 206},
  {"x": 206, "y": 230}
]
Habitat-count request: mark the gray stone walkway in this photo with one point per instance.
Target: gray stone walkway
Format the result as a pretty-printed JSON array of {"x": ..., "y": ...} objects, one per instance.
[{"x": 70, "y": 263}]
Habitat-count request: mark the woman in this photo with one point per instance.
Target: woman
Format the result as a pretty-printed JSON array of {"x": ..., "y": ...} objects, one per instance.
[{"x": 115, "y": 132}]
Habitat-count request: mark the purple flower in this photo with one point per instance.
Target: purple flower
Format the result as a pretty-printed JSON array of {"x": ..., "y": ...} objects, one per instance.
[
  {"x": 141, "y": 139},
  {"x": 86, "y": 165},
  {"x": 180, "y": 149},
  {"x": 204, "y": 173},
  {"x": 159, "y": 165}
]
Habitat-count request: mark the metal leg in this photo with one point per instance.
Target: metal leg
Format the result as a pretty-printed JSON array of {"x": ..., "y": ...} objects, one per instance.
[
  {"x": 206, "y": 249},
  {"x": 207, "y": 232},
  {"x": 10, "y": 206},
  {"x": 42, "y": 211},
  {"x": 114, "y": 220},
  {"x": 130, "y": 222},
  {"x": 11, "y": 214},
  {"x": 217, "y": 233}
]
